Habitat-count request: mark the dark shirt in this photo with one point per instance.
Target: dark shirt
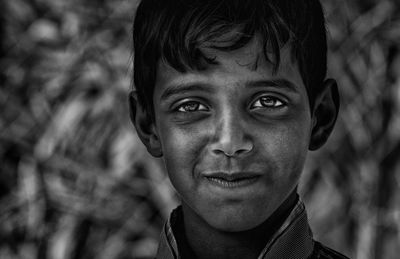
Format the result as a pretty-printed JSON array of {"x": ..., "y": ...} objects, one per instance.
[{"x": 293, "y": 240}]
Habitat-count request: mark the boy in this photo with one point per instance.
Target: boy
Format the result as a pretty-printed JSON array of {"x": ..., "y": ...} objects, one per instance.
[{"x": 232, "y": 94}]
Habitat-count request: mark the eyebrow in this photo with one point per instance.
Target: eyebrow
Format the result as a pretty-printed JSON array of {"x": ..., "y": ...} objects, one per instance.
[
  {"x": 279, "y": 83},
  {"x": 180, "y": 89},
  {"x": 185, "y": 88}
]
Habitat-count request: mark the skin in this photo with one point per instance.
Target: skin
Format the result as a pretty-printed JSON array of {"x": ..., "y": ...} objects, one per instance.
[{"x": 235, "y": 117}]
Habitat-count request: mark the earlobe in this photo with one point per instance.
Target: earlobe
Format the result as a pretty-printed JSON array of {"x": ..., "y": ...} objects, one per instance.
[
  {"x": 144, "y": 125},
  {"x": 324, "y": 115}
]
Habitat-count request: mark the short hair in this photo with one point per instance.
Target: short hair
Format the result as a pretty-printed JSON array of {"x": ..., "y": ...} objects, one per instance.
[{"x": 175, "y": 30}]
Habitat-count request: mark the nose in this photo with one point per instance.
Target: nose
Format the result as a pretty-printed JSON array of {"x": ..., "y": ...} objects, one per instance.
[{"x": 232, "y": 137}]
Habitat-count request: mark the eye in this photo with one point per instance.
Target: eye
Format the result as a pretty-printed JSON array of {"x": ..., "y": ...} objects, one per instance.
[
  {"x": 191, "y": 106},
  {"x": 268, "y": 102}
]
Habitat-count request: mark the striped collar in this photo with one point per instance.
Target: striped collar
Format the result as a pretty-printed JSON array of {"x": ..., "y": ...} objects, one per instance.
[{"x": 293, "y": 240}]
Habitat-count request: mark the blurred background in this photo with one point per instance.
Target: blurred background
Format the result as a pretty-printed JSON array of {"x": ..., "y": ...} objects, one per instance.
[{"x": 75, "y": 181}]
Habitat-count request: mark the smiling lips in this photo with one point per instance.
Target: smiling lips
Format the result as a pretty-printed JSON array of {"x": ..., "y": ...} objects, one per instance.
[{"x": 232, "y": 180}]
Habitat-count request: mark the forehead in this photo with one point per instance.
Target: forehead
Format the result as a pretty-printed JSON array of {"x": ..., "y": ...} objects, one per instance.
[{"x": 245, "y": 64}]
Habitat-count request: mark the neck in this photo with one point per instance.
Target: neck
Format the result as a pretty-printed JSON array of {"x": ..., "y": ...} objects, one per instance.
[{"x": 208, "y": 242}]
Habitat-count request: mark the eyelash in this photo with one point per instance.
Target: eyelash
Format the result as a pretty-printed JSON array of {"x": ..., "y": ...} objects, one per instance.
[
  {"x": 181, "y": 108},
  {"x": 276, "y": 102}
]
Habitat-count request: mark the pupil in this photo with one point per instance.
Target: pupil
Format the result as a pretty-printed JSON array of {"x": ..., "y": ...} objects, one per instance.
[
  {"x": 267, "y": 101},
  {"x": 191, "y": 106}
]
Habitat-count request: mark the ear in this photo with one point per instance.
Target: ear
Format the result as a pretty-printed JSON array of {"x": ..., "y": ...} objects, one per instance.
[
  {"x": 324, "y": 114},
  {"x": 145, "y": 126}
]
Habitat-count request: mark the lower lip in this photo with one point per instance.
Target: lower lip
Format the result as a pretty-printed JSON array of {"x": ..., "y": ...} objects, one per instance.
[{"x": 234, "y": 183}]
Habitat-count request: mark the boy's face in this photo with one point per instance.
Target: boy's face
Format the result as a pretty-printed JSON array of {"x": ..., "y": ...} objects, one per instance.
[{"x": 234, "y": 138}]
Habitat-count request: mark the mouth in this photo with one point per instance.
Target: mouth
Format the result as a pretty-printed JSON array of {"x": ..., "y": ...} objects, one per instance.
[{"x": 232, "y": 180}]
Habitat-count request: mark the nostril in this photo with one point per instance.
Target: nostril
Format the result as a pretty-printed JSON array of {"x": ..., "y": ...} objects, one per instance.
[
  {"x": 221, "y": 152},
  {"x": 232, "y": 151},
  {"x": 231, "y": 137}
]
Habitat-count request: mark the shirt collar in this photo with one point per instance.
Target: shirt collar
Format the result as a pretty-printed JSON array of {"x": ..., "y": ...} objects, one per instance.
[{"x": 293, "y": 240}]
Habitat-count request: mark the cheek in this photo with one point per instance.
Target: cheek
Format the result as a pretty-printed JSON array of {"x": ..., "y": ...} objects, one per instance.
[
  {"x": 295, "y": 152},
  {"x": 181, "y": 150},
  {"x": 287, "y": 147}
]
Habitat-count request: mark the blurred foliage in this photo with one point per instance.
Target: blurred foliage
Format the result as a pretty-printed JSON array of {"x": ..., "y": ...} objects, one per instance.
[{"x": 76, "y": 182}]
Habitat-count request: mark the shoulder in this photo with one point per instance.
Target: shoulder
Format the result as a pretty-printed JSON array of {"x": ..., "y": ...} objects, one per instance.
[{"x": 323, "y": 252}]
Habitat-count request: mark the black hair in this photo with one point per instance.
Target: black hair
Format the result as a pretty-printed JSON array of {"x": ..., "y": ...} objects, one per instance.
[{"x": 175, "y": 30}]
